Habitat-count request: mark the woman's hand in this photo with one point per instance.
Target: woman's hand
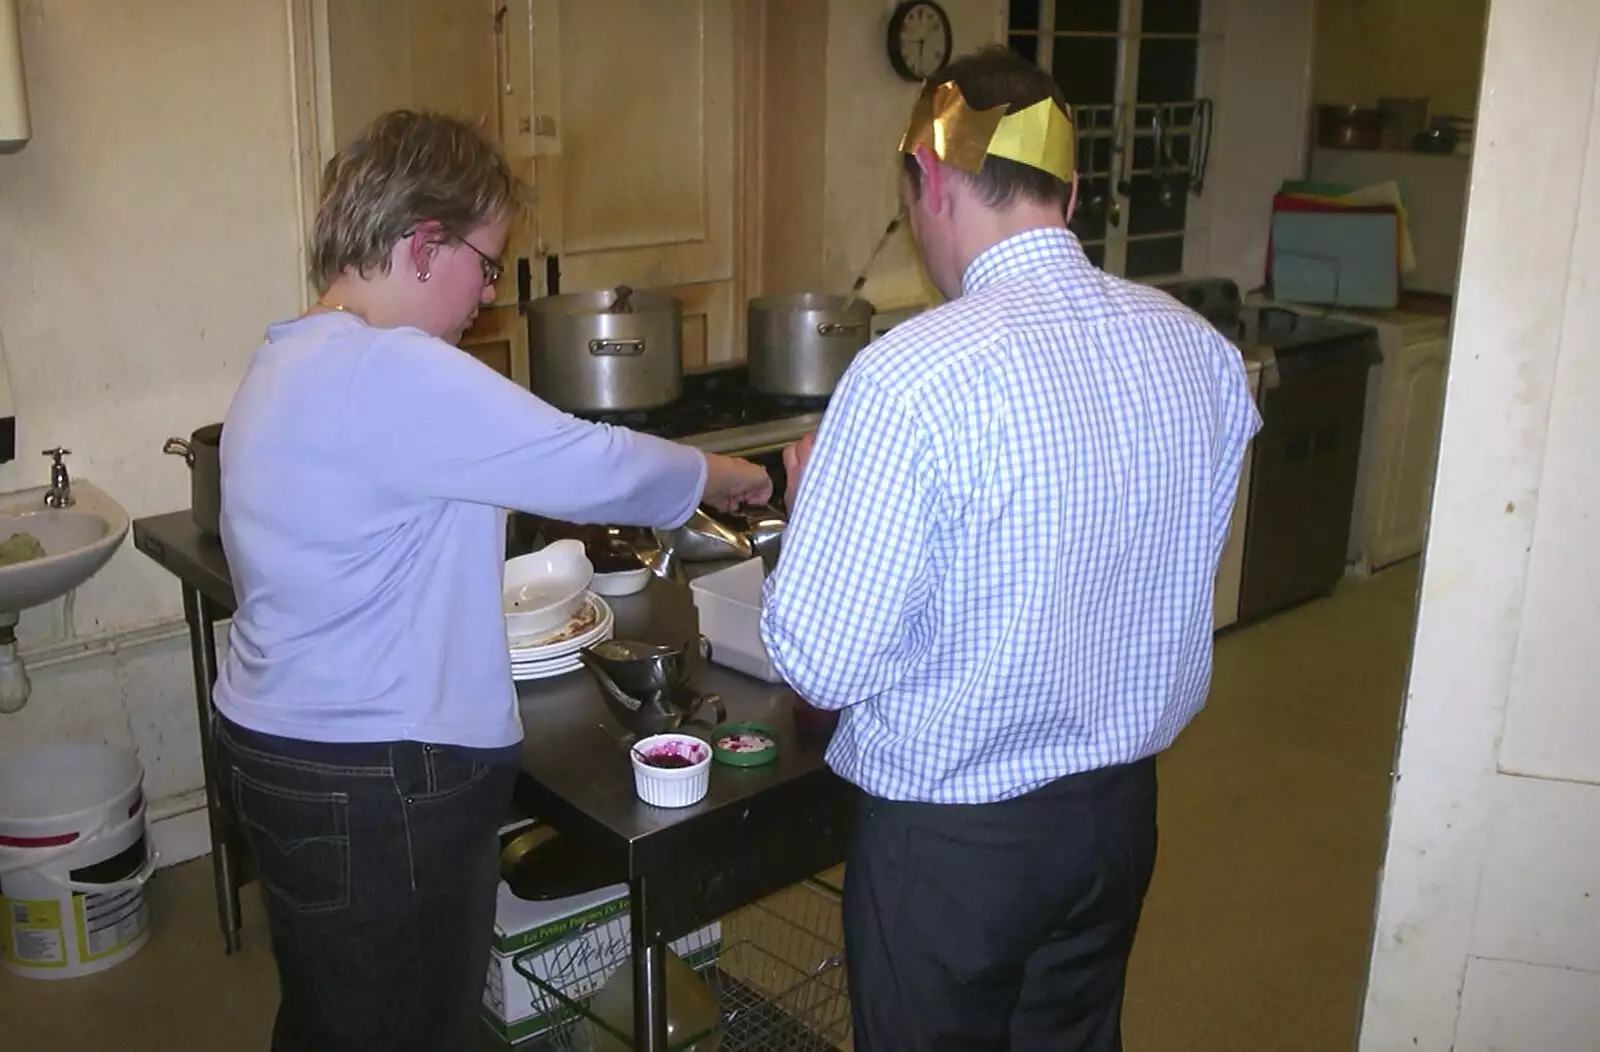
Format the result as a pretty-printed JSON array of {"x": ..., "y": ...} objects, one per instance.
[
  {"x": 795, "y": 458},
  {"x": 731, "y": 482}
]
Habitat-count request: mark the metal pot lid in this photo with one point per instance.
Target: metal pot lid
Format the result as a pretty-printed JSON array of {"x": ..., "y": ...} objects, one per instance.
[
  {"x": 539, "y": 864},
  {"x": 619, "y": 300},
  {"x": 826, "y": 302}
]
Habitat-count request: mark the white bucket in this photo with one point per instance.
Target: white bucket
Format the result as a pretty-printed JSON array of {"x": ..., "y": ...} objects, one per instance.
[{"x": 74, "y": 859}]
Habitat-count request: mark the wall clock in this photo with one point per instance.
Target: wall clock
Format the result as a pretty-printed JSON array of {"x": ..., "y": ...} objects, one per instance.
[{"x": 919, "y": 39}]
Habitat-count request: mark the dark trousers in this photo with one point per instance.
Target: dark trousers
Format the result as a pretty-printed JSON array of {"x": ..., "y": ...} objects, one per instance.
[
  {"x": 378, "y": 864},
  {"x": 999, "y": 926}
]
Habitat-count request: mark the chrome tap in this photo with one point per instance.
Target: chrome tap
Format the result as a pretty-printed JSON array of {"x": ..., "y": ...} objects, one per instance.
[{"x": 60, "y": 493}]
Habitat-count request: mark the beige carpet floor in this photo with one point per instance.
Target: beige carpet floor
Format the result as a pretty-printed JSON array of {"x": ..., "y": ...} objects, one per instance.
[{"x": 1255, "y": 938}]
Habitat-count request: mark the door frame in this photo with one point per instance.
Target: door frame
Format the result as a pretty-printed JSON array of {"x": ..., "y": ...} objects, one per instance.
[{"x": 311, "y": 109}]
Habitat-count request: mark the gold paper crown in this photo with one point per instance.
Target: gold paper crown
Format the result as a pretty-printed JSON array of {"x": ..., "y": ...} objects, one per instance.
[{"x": 1039, "y": 136}]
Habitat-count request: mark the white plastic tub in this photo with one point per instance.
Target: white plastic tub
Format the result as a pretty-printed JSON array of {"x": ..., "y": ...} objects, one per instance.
[
  {"x": 65, "y": 809},
  {"x": 729, "y": 602}
]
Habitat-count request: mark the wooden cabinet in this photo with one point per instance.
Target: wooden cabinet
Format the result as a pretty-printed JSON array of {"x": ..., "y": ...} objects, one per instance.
[
  {"x": 465, "y": 58},
  {"x": 637, "y": 109},
  {"x": 1411, "y": 411}
]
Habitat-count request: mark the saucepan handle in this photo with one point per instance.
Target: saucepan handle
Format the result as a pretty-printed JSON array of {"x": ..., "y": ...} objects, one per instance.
[
  {"x": 617, "y": 348},
  {"x": 840, "y": 328},
  {"x": 181, "y": 448}
]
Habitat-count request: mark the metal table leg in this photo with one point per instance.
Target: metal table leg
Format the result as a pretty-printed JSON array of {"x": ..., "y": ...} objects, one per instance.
[
  {"x": 649, "y": 974},
  {"x": 201, "y": 615}
]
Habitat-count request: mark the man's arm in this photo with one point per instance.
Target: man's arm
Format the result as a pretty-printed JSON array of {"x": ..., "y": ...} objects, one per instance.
[{"x": 844, "y": 613}]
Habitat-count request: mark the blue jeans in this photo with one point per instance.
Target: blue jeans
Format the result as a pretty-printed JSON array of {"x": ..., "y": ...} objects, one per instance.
[{"x": 378, "y": 864}]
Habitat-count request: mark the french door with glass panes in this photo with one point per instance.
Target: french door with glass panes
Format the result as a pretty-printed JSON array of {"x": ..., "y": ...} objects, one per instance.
[{"x": 1133, "y": 71}]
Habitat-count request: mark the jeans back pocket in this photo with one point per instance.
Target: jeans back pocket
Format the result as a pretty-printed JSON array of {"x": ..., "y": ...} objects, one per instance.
[{"x": 300, "y": 840}]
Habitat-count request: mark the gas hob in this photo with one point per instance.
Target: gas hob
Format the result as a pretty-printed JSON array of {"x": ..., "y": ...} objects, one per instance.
[{"x": 720, "y": 412}]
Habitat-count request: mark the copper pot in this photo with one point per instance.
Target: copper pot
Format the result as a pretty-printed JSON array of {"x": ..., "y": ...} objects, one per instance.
[{"x": 1350, "y": 128}]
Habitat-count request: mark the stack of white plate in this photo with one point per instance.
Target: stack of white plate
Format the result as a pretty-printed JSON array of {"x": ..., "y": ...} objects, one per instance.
[{"x": 555, "y": 653}]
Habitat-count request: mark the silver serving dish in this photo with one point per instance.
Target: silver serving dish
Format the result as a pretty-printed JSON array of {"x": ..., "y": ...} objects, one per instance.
[{"x": 704, "y": 539}]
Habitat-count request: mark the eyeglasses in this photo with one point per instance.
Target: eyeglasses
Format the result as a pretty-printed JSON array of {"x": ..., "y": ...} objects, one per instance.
[{"x": 492, "y": 268}]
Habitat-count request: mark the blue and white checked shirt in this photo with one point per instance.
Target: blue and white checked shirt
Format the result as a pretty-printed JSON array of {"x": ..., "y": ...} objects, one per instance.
[{"x": 1001, "y": 558}]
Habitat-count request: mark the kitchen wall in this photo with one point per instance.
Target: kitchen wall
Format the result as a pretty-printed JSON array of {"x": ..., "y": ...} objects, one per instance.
[
  {"x": 1488, "y": 926},
  {"x": 867, "y": 107},
  {"x": 1368, "y": 49},
  {"x": 147, "y": 234},
  {"x": 1262, "y": 96}
]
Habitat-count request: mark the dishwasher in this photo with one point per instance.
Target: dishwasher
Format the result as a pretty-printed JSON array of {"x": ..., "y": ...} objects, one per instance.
[{"x": 1312, "y": 400}]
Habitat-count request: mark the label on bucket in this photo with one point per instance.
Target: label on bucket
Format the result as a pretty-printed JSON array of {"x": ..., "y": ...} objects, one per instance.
[
  {"x": 107, "y": 923},
  {"x": 34, "y": 934}
]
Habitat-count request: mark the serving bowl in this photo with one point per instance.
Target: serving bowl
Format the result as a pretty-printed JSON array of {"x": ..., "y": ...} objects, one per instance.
[{"x": 544, "y": 589}]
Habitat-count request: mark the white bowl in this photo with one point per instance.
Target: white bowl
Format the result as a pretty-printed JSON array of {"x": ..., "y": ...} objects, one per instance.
[
  {"x": 543, "y": 589},
  {"x": 671, "y": 786},
  {"x": 624, "y": 582}
]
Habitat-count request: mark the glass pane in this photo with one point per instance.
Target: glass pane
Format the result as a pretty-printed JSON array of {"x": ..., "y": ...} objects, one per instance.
[
  {"x": 1094, "y": 199},
  {"x": 1086, "y": 69},
  {"x": 1024, "y": 14},
  {"x": 1094, "y": 156},
  {"x": 1177, "y": 137},
  {"x": 1167, "y": 69},
  {"x": 1148, "y": 259},
  {"x": 1168, "y": 16},
  {"x": 1088, "y": 16},
  {"x": 1027, "y": 47},
  {"x": 1148, "y": 214},
  {"x": 1096, "y": 254}
]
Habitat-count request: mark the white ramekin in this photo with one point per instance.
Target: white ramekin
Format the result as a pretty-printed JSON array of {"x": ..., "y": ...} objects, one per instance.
[{"x": 671, "y": 786}]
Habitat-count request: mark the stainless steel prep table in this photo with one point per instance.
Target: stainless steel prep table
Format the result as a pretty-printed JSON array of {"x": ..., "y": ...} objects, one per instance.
[{"x": 758, "y": 829}]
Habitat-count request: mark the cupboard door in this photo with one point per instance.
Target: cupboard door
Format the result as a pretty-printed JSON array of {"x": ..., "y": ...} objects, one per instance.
[
  {"x": 1413, "y": 414},
  {"x": 634, "y": 117},
  {"x": 448, "y": 56},
  {"x": 440, "y": 55}
]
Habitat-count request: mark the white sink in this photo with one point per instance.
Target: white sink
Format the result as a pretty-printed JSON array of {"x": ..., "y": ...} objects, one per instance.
[{"x": 77, "y": 542}]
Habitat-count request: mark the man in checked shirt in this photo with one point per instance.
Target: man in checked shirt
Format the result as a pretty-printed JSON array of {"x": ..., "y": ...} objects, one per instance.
[{"x": 999, "y": 571}]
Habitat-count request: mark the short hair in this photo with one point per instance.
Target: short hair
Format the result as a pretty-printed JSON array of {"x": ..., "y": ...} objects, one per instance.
[
  {"x": 404, "y": 169},
  {"x": 993, "y": 76}
]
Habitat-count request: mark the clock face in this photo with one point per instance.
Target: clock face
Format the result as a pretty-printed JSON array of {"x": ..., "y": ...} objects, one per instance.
[{"x": 919, "y": 39}]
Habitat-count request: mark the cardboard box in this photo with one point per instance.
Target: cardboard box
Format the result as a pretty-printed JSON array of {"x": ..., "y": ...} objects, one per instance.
[{"x": 574, "y": 960}]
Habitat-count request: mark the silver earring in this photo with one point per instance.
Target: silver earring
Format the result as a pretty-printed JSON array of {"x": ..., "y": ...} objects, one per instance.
[{"x": 423, "y": 275}]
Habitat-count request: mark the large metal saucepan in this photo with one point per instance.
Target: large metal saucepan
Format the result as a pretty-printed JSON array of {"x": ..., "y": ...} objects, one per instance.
[
  {"x": 202, "y": 451},
  {"x": 801, "y": 345},
  {"x": 611, "y": 351}
]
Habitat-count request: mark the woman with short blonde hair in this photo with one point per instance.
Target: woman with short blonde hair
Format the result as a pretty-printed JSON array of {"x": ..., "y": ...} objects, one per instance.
[{"x": 369, "y": 734}]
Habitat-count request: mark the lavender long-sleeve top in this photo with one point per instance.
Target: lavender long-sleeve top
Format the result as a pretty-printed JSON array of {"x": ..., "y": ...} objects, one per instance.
[{"x": 364, "y": 473}]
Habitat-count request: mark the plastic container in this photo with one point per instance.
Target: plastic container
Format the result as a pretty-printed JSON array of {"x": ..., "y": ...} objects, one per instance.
[
  {"x": 74, "y": 860},
  {"x": 671, "y": 786},
  {"x": 748, "y": 757},
  {"x": 729, "y": 603}
]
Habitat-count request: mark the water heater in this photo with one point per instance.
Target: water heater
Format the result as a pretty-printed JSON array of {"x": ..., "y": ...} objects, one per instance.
[{"x": 15, "y": 129}]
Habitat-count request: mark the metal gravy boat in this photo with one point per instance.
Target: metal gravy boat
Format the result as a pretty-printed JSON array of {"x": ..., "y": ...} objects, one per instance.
[
  {"x": 738, "y": 535},
  {"x": 646, "y": 686}
]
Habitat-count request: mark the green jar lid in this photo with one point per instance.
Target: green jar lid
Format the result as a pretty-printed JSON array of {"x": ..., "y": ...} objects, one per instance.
[{"x": 744, "y": 744}]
